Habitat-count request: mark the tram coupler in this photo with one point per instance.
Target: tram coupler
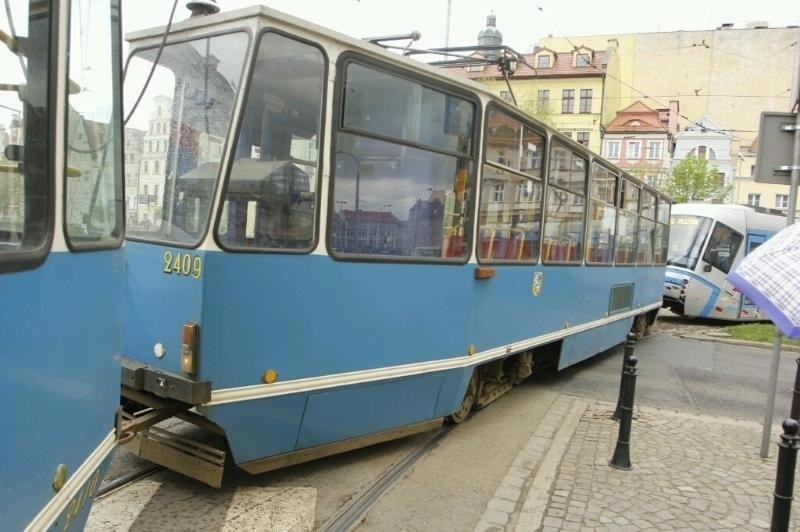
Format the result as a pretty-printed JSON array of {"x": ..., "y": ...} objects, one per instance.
[
  {"x": 621, "y": 458},
  {"x": 784, "y": 478},
  {"x": 627, "y": 353}
]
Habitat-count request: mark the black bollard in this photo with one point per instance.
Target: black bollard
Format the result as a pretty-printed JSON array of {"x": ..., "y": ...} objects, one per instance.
[
  {"x": 627, "y": 353},
  {"x": 784, "y": 479},
  {"x": 795, "y": 411},
  {"x": 622, "y": 456}
]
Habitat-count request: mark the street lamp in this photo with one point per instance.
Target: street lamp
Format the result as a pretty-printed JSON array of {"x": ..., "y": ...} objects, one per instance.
[{"x": 358, "y": 184}]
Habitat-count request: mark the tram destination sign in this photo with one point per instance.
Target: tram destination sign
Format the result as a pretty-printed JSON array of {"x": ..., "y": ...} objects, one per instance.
[{"x": 775, "y": 148}]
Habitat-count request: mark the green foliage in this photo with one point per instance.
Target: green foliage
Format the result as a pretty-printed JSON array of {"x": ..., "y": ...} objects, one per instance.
[
  {"x": 756, "y": 332},
  {"x": 693, "y": 180}
]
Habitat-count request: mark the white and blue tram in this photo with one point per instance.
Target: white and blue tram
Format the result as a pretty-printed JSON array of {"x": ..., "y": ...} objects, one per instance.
[
  {"x": 340, "y": 245},
  {"x": 707, "y": 241},
  {"x": 61, "y": 257}
]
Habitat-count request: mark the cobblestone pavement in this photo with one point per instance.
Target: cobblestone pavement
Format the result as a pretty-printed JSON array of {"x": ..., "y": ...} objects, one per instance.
[{"x": 689, "y": 472}]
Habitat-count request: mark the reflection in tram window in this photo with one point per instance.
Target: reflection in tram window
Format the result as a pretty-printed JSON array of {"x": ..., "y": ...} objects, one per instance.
[
  {"x": 179, "y": 126},
  {"x": 563, "y": 226},
  {"x": 271, "y": 193},
  {"x": 404, "y": 194},
  {"x": 627, "y": 223},
  {"x": 602, "y": 216},
  {"x": 510, "y": 213},
  {"x": 647, "y": 228}
]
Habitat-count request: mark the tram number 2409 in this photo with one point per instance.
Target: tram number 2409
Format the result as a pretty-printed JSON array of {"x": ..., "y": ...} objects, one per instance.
[{"x": 183, "y": 264}]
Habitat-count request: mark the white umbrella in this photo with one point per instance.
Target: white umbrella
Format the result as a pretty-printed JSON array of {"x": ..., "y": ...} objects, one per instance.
[{"x": 770, "y": 277}]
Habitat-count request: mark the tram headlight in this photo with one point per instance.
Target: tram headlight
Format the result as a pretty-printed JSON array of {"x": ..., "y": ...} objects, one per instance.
[{"x": 189, "y": 336}]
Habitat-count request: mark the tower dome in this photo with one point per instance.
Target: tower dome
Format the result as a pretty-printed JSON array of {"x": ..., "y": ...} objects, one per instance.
[{"x": 490, "y": 35}]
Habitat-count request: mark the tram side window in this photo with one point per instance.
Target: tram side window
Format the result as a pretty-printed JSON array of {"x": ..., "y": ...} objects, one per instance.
[
  {"x": 647, "y": 228},
  {"x": 25, "y": 191},
  {"x": 94, "y": 202},
  {"x": 271, "y": 194},
  {"x": 564, "y": 218},
  {"x": 627, "y": 223},
  {"x": 661, "y": 237},
  {"x": 403, "y": 168},
  {"x": 602, "y": 216},
  {"x": 723, "y": 244},
  {"x": 510, "y": 213}
]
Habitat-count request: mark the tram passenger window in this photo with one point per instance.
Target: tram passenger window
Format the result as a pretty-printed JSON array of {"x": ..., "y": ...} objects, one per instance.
[
  {"x": 564, "y": 218},
  {"x": 25, "y": 191},
  {"x": 627, "y": 223},
  {"x": 94, "y": 201},
  {"x": 402, "y": 170},
  {"x": 647, "y": 228},
  {"x": 661, "y": 237},
  {"x": 510, "y": 213},
  {"x": 722, "y": 247},
  {"x": 271, "y": 193},
  {"x": 602, "y": 217}
]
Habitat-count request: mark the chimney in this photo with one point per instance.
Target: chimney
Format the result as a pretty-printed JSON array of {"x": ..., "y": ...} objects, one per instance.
[{"x": 674, "y": 111}]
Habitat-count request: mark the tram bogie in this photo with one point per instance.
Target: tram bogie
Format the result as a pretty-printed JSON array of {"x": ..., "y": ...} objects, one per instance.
[{"x": 365, "y": 245}]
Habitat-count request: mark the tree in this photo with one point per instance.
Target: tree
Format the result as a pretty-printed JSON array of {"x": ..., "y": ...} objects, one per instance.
[{"x": 693, "y": 180}]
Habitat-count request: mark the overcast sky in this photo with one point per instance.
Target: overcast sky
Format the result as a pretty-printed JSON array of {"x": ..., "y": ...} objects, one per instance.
[{"x": 522, "y": 22}]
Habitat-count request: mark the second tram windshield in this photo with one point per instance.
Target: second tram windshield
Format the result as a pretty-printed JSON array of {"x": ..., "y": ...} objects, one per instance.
[{"x": 687, "y": 234}]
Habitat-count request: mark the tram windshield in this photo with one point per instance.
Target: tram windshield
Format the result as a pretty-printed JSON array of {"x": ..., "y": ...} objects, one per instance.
[
  {"x": 686, "y": 236},
  {"x": 177, "y": 132}
]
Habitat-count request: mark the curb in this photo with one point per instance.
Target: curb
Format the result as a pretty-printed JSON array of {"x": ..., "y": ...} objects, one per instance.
[{"x": 733, "y": 341}]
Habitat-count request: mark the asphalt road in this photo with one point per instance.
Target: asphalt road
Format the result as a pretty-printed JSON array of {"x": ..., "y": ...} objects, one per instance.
[{"x": 708, "y": 377}]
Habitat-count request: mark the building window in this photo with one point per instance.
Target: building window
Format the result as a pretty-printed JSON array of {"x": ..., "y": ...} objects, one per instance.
[
  {"x": 752, "y": 170},
  {"x": 543, "y": 61},
  {"x": 567, "y": 101},
  {"x": 634, "y": 150},
  {"x": 543, "y": 101},
  {"x": 586, "y": 101},
  {"x": 612, "y": 149},
  {"x": 582, "y": 60},
  {"x": 583, "y": 138},
  {"x": 704, "y": 152},
  {"x": 782, "y": 201},
  {"x": 654, "y": 149},
  {"x": 499, "y": 193},
  {"x": 754, "y": 200}
]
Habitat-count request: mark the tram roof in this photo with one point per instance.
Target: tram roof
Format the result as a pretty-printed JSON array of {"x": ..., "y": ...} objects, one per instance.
[{"x": 259, "y": 16}]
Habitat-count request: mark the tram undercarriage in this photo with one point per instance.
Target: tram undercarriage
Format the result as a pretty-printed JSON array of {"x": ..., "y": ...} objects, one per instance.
[{"x": 169, "y": 432}]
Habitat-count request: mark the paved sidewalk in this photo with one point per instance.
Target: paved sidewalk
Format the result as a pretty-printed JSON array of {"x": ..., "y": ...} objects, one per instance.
[{"x": 690, "y": 472}]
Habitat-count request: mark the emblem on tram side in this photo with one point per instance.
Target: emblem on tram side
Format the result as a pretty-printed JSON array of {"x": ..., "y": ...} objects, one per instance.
[{"x": 537, "y": 283}]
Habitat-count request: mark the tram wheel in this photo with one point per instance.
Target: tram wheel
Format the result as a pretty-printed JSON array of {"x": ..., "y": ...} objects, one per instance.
[
  {"x": 467, "y": 402},
  {"x": 639, "y": 328}
]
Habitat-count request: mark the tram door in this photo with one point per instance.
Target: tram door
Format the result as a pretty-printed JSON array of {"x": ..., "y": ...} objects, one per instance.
[
  {"x": 721, "y": 253},
  {"x": 748, "y": 309}
]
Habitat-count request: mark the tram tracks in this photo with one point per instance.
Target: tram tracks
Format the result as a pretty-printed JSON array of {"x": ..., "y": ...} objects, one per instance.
[
  {"x": 354, "y": 511},
  {"x": 127, "y": 479}
]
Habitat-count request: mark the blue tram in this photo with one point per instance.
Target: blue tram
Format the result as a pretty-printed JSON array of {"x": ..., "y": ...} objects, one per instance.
[
  {"x": 61, "y": 262},
  {"x": 336, "y": 245}
]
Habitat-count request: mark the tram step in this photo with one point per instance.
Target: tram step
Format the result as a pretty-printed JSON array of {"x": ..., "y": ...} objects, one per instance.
[{"x": 181, "y": 454}]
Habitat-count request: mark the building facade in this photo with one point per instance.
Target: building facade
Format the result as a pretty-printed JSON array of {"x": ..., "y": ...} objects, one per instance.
[{"x": 640, "y": 140}]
